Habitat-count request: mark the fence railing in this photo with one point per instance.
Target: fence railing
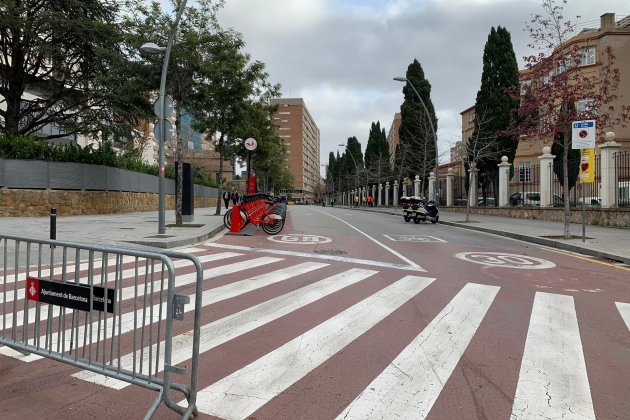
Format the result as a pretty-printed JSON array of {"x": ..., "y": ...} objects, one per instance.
[
  {"x": 104, "y": 309},
  {"x": 622, "y": 175},
  {"x": 35, "y": 174}
]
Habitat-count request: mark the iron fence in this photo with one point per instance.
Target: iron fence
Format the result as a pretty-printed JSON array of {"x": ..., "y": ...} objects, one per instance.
[
  {"x": 104, "y": 309},
  {"x": 525, "y": 186},
  {"x": 622, "y": 175},
  {"x": 577, "y": 190}
]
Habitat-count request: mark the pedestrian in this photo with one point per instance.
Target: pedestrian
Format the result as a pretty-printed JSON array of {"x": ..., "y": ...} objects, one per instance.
[
  {"x": 234, "y": 198},
  {"x": 226, "y": 198},
  {"x": 356, "y": 201}
]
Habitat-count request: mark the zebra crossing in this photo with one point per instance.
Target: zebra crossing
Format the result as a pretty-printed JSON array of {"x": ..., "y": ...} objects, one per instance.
[{"x": 553, "y": 379}]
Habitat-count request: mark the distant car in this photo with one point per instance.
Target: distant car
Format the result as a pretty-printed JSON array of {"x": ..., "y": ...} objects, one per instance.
[
  {"x": 590, "y": 201},
  {"x": 490, "y": 201},
  {"x": 531, "y": 198}
]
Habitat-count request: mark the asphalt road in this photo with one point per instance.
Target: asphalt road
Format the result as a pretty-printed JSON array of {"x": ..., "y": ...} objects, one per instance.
[{"x": 357, "y": 315}]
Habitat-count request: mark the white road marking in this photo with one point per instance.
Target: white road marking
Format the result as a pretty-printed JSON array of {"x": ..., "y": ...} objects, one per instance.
[
  {"x": 553, "y": 382},
  {"x": 411, "y": 384},
  {"x": 126, "y": 321},
  {"x": 240, "y": 394},
  {"x": 127, "y": 292},
  {"x": 223, "y": 330},
  {"x": 624, "y": 311},
  {"x": 319, "y": 256},
  {"x": 402, "y": 257},
  {"x": 503, "y": 260}
]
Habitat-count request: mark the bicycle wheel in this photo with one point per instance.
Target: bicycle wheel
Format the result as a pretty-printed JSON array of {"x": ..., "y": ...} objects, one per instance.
[
  {"x": 272, "y": 229},
  {"x": 227, "y": 220}
]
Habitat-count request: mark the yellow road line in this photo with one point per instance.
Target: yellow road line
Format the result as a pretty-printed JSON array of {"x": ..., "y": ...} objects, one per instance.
[{"x": 591, "y": 259}]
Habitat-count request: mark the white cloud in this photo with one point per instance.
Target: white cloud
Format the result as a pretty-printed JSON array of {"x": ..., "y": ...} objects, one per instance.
[{"x": 341, "y": 55}]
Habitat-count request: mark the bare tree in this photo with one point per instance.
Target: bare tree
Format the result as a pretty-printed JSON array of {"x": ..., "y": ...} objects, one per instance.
[{"x": 480, "y": 148}]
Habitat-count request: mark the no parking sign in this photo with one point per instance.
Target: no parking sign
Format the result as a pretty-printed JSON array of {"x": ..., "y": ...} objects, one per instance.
[{"x": 583, "y": 134}]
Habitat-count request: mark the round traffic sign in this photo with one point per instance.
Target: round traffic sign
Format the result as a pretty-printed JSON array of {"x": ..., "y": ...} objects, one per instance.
[
  {"x": 168, "y": 127},
  {"x": 168, "y": 106},
  {"x": 583, "y": 134},
  {"x": 250, "y": 144}
]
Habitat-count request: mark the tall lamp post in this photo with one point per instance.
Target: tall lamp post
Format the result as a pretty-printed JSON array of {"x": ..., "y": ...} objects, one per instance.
[
  {"x": 437, "y": 163},
  {"x": 152, "y": 48},
  {"x": 356, "y": 166}
]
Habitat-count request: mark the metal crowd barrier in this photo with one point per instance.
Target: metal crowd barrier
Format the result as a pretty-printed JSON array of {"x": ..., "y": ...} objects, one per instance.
[{"x": 88, "y": 306}]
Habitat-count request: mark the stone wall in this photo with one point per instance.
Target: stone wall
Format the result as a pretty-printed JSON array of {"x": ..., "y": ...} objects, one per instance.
[
  {"x": 14, "y": 202},
  {"x": 616, "y": 217}
]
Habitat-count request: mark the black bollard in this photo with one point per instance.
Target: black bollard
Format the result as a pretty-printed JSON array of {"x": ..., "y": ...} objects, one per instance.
[{"x": 53, "y": 223}]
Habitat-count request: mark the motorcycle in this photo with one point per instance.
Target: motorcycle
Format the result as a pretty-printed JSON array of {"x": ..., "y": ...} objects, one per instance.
[{"x": 419, "y": 209}]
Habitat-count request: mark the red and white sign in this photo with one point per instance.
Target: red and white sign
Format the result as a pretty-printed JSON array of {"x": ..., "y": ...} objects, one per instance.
[{"x": 250, "y": 144}]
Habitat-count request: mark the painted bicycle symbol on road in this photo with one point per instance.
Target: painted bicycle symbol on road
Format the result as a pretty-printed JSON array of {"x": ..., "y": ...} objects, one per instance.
[
  {"x": 501, "y": 259},
  {"x": 299, "y": 239}
]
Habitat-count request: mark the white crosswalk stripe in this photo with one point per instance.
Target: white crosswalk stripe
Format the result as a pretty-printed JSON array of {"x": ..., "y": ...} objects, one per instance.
[
  {"x": 624, "y": 310},
  {"x": 227, "y": 328},
  {"x": 553, "y": 382},
  {"x": 243, "y": 392},
  {"x": 411, "y": 384},
  {"x": 128, "y": 320},
  {"x": 126, "y": 292}
]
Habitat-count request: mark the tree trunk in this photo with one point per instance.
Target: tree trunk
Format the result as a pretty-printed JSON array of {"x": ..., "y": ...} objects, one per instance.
[
  {"x": 178, "y": 161},
  {"x": 219, "y": 190},
  {"x": 470, "y": 186}
]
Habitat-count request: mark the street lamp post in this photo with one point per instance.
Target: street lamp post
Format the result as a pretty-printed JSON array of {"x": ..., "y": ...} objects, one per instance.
[
  {"x": 437, "y": 162},
  {"x": 152, "y": 48}
]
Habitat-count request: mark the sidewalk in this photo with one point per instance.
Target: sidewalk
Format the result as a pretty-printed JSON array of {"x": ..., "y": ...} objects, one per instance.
[
  {"x": 120, "y": 229},
  {"x": 141, "y": 229},
  {"x": 602, "y": 242}
]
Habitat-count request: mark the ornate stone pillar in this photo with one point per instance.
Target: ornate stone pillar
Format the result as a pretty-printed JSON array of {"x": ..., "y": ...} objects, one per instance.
[
  {"x": 608, "y": 189},
  {"x": 387, "y": 193},
  {"x": 380, "y": 194},
  {"x": 432, "y": 187},
  {"x": 472, "y": 197},
  {"x": 546, "y": 177},
  {"x": 504, "y": 181},
  {"x": 450, "y": 199},
  {"x": 395, "y": 194}
]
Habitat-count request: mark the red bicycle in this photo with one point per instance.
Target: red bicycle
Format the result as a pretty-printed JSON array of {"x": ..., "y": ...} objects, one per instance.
[{"x": 262, "y": 210}]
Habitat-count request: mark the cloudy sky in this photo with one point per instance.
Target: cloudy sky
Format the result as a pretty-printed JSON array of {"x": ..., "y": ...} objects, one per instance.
[{"x": 340, "y": 55}]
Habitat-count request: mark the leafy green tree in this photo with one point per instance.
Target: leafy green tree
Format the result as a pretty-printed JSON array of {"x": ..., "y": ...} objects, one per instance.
[
  {"x": 416, "y": 154},
  {"x": 495, "y": 105},
  {"x": 72, "y": 56}
]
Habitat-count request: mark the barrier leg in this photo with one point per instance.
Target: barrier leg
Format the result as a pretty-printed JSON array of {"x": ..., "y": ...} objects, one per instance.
[{"x": 235, "y": 226}]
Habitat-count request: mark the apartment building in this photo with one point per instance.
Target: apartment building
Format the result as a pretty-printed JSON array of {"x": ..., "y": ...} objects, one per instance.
[
  {"x": 590, "y": 44},
  {"x": 393, "y": 138},
  {"x": 297, "y": 128}
]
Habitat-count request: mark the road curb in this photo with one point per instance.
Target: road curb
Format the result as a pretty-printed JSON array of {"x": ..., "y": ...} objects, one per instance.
[
  {"x": 173, "y": 243},
  {"x": 542, "y": 241}
]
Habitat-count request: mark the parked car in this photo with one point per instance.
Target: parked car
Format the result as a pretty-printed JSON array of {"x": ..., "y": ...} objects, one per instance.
[
  {"x": 590, "y": 201},
  {"x": 531, "y": 198},
  {"x": 490, "y": 201}
]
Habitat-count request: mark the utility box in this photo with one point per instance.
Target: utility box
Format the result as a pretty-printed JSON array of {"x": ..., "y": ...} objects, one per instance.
[{"x": 188, "y": 192}]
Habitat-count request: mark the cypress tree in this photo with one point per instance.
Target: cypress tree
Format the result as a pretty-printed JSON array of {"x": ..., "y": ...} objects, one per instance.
[
  {"x": 497, "y": 101},
  {"x": 416, "y": 136}
]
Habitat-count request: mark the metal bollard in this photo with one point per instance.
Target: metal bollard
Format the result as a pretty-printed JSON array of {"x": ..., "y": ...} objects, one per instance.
[{"x": 53, "y": 224}]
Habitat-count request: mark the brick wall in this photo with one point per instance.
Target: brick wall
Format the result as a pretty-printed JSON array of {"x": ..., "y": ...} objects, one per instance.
[{"x": 39, "y": 202}]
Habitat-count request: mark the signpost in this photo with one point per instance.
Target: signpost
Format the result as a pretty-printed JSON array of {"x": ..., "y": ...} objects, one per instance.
[
  {"x": 250, "y": 145},
  {"x": 583, "y": 138}
]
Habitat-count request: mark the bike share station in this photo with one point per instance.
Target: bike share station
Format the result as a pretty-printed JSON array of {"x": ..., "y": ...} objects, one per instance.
[{"x": 256, "y": 210}]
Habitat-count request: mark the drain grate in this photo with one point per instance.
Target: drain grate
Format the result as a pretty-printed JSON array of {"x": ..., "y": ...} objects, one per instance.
[{"x": 330, "y": 251}]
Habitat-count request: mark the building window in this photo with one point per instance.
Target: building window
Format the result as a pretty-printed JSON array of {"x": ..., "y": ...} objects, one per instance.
[
  {"x": 525, "y": 172},
  {"x": 587, "y": 56}
]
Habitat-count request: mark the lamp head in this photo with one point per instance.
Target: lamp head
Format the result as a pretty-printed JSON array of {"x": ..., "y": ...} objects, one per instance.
[
  {"x": 400, "y": 79},
  {"x": 152, "y": 48}
]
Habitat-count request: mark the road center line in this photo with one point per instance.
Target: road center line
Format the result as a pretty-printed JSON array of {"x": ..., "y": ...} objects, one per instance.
[
  {"x": 414, "y": 267},
  {"x": 402, "y": 257}
]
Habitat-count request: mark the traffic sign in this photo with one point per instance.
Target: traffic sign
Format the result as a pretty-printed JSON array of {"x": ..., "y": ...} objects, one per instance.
[
  {"x": 168, "y": 128},
  {"x": 583, "y": 134},
  {"x": 250, "y": 144},
  {"x": 157, "y": 107}
]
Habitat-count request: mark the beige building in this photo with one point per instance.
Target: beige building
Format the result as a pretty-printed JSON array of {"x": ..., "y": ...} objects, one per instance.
[
  {"x": 393, "y": 138},
  {"x": 299, "y": 132}
]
